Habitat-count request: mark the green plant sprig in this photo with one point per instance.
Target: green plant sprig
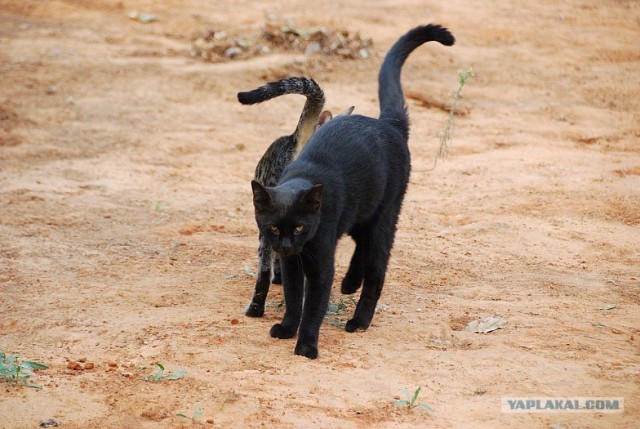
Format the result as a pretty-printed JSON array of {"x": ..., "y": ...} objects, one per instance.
[
  {"x": 13, "y": 371},
  {"x": 197, "y": 413},
  {"x": 410, "y": 402},
  {"x": 159, "y": 374},
  {"x": 464, "y": 75}
]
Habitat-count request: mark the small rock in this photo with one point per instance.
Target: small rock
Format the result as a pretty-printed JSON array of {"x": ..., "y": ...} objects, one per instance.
[
  {"x": 51, "y": 90},
  {"x": 232, "y": 52},
  {"x": 82, "y": 360},
  {"x": 74, "y": 365},
  {"x": 313, "y": 48},
  {"x": 89, "y": 365},
  {"x": 210, "y": 421},
  {"x": 113, "y": 364},
  {"x": 486, "y": 324}
]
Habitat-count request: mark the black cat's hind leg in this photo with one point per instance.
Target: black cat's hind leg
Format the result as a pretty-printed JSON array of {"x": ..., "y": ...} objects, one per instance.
[
  {"x": 355, "y": 275},
  {"x": 293, "y": 286},
  {"x": 277, "y": 271},
  {"x": 381, "y": 235},
  {"x": 263, "y": 279}
]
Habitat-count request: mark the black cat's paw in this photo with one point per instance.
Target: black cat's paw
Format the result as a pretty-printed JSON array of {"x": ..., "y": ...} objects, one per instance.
[
  {"x": 254, "y": 310},
  {"x": 355, "y": 324},
  {"x": 277, "y": 279},
  {"x": 282, "y": 332},
  {"x": 306, "y": 350},
  {"x": 350, "y": 284}
]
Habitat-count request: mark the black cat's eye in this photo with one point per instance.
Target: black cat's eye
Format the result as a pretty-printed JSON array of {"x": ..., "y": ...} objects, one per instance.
[
  {"x": 299, "y": 229},
  {"x": 275, "y": 229}
]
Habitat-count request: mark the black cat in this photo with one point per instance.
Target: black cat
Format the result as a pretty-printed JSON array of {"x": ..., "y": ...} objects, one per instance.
[
  {"x": 276, "y": 158},
  {"x": 350, "y": 178}
]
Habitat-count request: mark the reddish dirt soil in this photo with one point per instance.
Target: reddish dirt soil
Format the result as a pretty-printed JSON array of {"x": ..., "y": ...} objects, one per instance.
[{"x": 126, "y": 220}]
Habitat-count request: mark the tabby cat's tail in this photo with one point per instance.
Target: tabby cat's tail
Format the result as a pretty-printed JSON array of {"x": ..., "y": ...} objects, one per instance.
[
  {"x": 293, "y": 85},
  {"x": 392, "y": 105}
]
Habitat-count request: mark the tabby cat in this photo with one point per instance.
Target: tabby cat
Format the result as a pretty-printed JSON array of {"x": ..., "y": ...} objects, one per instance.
[
  {"x": 278, "y": 156},
  {"x": 350, "y": 178}
]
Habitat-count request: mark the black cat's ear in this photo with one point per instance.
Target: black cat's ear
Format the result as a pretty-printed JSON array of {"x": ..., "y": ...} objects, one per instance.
[
  {"x": 347, "y": 112},
  {"x": 261, "y": 197},
  {"x": 312, "y": 198}
]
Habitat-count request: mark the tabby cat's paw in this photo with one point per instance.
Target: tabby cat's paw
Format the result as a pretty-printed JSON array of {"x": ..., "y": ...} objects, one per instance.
[
  {"x": 254, "y": 310},
  {"x": 356, "y": 323},
  {"x": 282, "y": 332},
  {"x": 306, "y": 350}
]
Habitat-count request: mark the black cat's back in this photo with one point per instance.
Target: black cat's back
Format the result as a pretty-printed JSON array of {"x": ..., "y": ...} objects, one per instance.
[{"x": 363, "y": 164}]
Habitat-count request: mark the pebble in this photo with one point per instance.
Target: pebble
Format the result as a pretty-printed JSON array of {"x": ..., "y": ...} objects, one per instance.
[{"x": 74, "y": 365}]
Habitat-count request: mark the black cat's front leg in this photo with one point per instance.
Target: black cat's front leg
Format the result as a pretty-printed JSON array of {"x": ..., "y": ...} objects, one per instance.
[
  {"x": 256, "y": 306},
  {"x": 319, "y": 278},
  {"x": 293, "y": 282}
]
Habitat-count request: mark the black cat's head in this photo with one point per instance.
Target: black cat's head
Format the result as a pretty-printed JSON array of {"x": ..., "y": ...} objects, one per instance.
[{"x": 287, "y": 218}]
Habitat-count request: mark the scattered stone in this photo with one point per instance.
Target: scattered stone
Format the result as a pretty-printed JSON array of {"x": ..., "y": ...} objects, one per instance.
[
  {"x": 216, "y": 45},
  {"x": 89, "y": 365},
  {"x": 232, "y": 52},
  {"x": 74, "y": 366},
  {"x": 486, "y": 324}
]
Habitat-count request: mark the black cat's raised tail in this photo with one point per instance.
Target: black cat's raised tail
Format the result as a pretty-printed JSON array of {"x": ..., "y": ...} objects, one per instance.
[{"x": 392, "y": 104}]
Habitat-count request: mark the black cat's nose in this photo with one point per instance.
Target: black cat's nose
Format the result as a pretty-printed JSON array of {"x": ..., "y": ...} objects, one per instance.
[{"x": 286, "y": 251}]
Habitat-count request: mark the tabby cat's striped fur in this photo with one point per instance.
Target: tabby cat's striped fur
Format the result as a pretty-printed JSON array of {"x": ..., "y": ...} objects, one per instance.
[{"x": 281, "y": 152}]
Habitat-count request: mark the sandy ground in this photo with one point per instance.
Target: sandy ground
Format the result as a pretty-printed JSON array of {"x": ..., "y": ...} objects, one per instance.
[{"x": 127, "y": 234}]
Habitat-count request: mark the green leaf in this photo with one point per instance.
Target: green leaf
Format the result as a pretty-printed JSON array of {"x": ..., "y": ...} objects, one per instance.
[
  {"x": 608, "y": 307},
  {"x": 159, "y": 365},
  {"x": 424, "y": 406},
  {"x": 197, "y": 412},
  {"x": 177, "y": 374},
  {"x": 406, "y": 393},
  {"x": 33, "y": 365},
  {"x": 182, "y": 415},
  {"x": 415, "y": 395},
  {"x": 401, "y": 403}
]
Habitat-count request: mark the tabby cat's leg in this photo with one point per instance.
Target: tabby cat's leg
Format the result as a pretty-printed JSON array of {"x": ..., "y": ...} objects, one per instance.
[
  {"x": 277, "y": 272},
  {"x": 256, "y": 306},
  {"x": 293, "y": 286},
  {"x": 378, "y": 247}
]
